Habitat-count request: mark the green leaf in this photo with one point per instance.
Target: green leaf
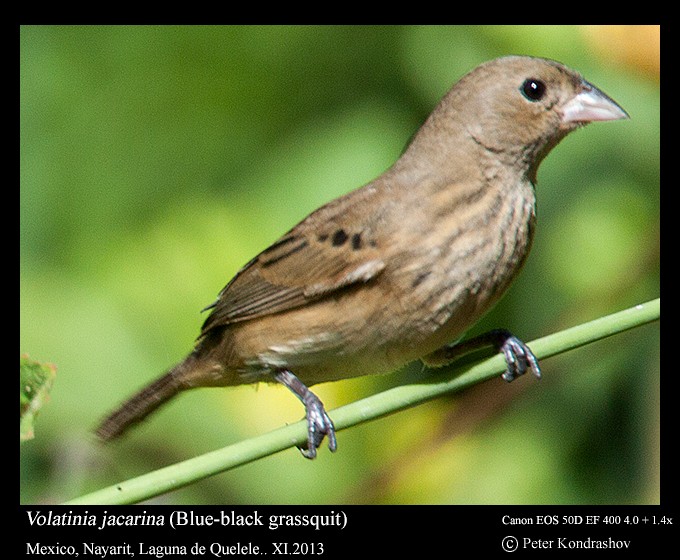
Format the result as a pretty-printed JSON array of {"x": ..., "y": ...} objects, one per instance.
[{"x": 35, "y": 383}]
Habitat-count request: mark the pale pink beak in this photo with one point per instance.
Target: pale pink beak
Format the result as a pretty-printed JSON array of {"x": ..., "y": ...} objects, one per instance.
[{"x": 590, "y": 105}]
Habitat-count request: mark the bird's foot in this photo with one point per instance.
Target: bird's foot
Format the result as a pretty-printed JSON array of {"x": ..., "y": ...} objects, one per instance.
[
  {"x": 518, "y": 356},
  {"x": 319, "y": 424}
]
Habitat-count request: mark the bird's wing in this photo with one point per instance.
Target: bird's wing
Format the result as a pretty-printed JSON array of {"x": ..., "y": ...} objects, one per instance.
[{"x": 329, "y": 251}]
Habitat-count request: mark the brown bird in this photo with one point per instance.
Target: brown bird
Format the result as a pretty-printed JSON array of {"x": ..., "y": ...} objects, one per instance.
[{"x": 400, "y": 268}]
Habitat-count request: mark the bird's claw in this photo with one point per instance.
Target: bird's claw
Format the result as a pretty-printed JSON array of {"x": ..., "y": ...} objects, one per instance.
[
  {"x": 518, "y": 357},
  {"x": 319, "y": 425}
]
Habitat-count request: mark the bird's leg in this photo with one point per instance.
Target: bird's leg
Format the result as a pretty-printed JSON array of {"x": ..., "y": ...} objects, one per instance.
[
  {"x": 518, "y": 357},
  {"x": 319, "y": 423}
]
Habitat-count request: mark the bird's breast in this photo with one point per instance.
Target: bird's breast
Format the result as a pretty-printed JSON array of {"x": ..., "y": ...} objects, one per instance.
[{"x": 464, "y": 261}]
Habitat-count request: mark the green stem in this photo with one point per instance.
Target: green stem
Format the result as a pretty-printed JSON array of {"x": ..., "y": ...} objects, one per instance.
[{"x": 446, "y": 380}]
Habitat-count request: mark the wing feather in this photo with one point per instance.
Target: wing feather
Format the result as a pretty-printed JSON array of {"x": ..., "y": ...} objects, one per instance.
[{"x": 311, "y": 262}]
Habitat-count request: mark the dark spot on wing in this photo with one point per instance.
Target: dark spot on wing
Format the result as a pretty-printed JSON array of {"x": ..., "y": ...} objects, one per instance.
[{"x": 339, "y": 238}]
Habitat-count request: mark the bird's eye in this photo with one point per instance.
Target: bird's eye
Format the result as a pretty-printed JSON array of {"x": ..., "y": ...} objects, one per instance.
[{"x": 533, "y": 89}]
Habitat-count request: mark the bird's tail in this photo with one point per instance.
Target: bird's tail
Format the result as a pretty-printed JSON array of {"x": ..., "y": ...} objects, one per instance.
[{"x": 143, "y": 403}]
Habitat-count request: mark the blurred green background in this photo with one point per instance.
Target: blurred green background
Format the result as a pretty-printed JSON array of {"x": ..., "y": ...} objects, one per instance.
[{"x": 156, "y": 161}]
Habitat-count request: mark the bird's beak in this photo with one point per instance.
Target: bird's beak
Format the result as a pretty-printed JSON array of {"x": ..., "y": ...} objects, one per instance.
[{"x": 590, "y": 105}]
